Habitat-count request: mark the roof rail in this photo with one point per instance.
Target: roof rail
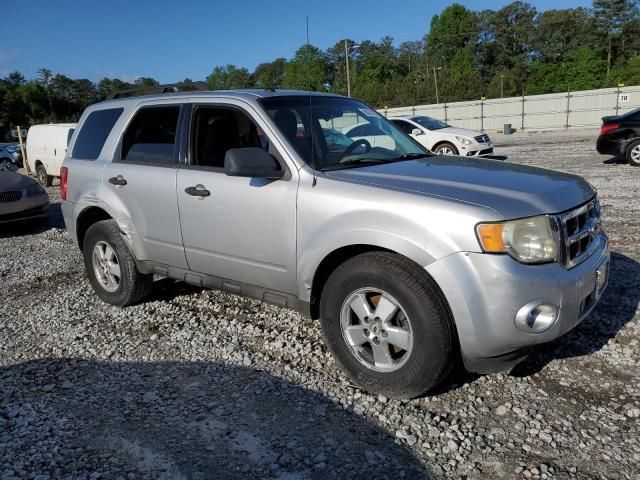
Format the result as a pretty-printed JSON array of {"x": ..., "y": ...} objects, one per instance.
[{"x": 156, "y": 89}]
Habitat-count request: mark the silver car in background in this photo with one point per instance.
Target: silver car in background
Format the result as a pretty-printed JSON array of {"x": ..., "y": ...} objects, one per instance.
[{"x": 410, "y": 260}]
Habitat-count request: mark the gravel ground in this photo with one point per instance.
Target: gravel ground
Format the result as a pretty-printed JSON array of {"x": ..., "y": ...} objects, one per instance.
[{"x": 203, "y": 384}]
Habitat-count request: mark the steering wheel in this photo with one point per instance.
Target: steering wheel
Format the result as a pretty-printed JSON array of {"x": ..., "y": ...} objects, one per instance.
[{"x": 360, "y": 142}]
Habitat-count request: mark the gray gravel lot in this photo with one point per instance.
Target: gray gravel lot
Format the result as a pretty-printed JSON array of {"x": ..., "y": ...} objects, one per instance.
[{"x": 203, "y": 384}]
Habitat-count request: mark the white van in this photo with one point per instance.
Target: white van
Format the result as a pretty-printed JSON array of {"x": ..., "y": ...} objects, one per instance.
[{"x": 46, "y": 147}]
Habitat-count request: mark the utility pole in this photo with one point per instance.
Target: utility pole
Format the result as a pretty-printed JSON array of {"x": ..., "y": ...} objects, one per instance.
[
  {"x": 346, "y": 59},
  {"x": 435, "y": 79}
]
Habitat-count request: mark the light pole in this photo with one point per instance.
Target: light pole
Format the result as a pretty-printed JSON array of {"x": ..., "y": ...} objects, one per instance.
[
  {"x": 435, "y": 79},
  {"x": 347, "y": 50}
]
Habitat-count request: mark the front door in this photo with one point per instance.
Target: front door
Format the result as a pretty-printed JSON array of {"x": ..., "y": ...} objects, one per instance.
[
  {"x": 237, "y": 228},
  {"x": 140, "y": 184}
]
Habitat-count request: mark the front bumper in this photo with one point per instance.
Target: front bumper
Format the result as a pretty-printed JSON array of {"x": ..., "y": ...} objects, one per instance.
[
  {"x": 476, "y": 149},
  {"x": 25, "y": 209},
  {"x": 485, "y": 292}
]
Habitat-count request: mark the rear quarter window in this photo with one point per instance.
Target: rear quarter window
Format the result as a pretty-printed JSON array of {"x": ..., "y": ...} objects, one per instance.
[{"x": 94, "y": 133}]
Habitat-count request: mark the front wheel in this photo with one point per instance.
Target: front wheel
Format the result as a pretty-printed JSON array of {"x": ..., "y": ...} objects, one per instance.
[
  {"x": 446, "y": 148},
  {"x": 387, "y": 325},
  {"x": 633, "y": 154},
  {"x": 110, "y": 266},
  {"x": 43, "y": 177}
]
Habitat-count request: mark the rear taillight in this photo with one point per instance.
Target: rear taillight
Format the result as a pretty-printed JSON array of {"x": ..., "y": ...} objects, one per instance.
[
  {"x": 608, "y": 127},
  {"x": 64, "y": 172}
]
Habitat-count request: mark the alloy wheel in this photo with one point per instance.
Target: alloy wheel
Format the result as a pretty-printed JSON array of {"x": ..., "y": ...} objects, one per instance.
[
  {"x": 106, "y": 266},
  {"x": 376, "y": 329}
]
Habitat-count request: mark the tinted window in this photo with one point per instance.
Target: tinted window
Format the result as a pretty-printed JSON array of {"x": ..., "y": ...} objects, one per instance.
[
  {"x": 151, "y": 135},
  {"x": 430, "y": 123},
  {"x": 216, "y": 130},
  {"x": 406, "y": 127},
  {"x": 94, "y": 132},
  {"x": 69, "y": 135}
]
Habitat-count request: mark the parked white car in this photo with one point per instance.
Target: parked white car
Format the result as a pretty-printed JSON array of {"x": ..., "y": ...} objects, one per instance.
[
  {"x": 46, "y": 148},
  {"x": 444, "y": 139}
]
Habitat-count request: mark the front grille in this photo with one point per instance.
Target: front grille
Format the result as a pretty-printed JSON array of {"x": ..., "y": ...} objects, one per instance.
[
  {"x": 580, "y": 229},
  {"x": 482, "y": 138},
  {"x": 6, "y": 197}
]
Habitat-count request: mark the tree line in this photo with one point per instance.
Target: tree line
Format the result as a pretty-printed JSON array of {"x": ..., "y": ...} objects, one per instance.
[{"x": 464, "y": 55}]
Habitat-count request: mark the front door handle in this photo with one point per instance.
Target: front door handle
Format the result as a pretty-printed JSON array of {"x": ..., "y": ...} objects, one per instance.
[
  {"x": 119, "y": 181},
  {"x": 197, "y": 191}
]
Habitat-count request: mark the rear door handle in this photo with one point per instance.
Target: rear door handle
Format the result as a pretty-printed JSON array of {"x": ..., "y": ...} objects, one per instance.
[
  {"x": 198, "y": 191},
  {"x": 118, "y": 181}
]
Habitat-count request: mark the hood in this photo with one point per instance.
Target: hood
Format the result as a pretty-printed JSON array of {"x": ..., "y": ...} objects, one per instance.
[
  {"x": 12, "y": 181},
  {"x": 511, "y": 189},
  {"x": 461, "y": 132}
]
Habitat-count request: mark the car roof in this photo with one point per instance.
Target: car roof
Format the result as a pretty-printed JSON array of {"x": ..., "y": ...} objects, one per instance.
[{"x": 244, "y": 93}]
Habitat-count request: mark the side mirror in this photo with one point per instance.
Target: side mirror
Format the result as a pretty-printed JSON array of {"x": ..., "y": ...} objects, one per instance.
[
  {"x": 416, "y": 131},
  {"x": 251, "y": 162}
]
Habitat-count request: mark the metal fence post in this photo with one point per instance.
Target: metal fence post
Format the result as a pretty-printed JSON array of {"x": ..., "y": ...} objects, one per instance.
[
  {"x": 618, "y": 99},
  {"x": 568, "y": 110},
  {"x": 482, "y": 114},
  {"x": 413, "y": 109},
  {"x": 522, "y": 119},
  {"x": 445, "y": 113}
]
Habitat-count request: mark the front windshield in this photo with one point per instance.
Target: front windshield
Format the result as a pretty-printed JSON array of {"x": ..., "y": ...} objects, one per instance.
[
  {"x": 430, "y": 123},
  {"x": 331, "y": 133}
]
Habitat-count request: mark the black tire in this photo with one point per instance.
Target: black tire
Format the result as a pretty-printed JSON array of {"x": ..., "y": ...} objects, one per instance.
[
  {"x": 434, "y": 339},
  {"x": 133, "y": 285},
  {"x": 444, "y": 145},
  {"x": 628, "y": 154},
  {"x": 43, "y": 177}
]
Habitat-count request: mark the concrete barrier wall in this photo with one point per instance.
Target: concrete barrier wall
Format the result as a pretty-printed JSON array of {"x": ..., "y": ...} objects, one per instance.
[{"x": 555, "y": 110}]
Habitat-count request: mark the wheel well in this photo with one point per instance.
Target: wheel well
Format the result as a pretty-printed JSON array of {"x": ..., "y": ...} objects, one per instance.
[
  {"x": 87, "y": 218},
  {"x": 38, "y": 162},
  {"x": 328, "y": 265},
  {"x": 444, "y": 141}
]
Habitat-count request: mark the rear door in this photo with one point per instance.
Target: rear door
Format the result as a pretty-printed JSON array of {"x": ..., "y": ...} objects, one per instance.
[
  {"x": 244, "y": 229},
  {"x": 140, "y": 183}
]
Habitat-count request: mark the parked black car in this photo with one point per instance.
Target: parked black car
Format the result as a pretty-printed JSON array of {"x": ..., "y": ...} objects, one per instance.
[{"x": 620, "y": 136}]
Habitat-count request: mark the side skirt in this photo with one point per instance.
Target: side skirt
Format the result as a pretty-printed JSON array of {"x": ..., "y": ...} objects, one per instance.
[{"x": 273, "y": 297}]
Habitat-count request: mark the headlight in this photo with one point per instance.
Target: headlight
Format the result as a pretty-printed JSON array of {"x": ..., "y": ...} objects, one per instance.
[
  {"x": 529, "y": 240},
  {"x": 34, "y": 190},
  {"x": 464, "y": 140}
]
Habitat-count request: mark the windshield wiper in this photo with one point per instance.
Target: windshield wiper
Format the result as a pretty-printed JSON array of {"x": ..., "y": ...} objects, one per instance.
[
  {"x": 411, "y": 156},
  {"x": 357, "y": 162}
]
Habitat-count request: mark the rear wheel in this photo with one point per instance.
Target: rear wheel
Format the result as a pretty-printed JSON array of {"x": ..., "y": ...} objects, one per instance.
[
  {"x": 446, "y": 148},
  {"x": 110, "y": 266},
  {"x": 387, "y": 325},
  {"x": 633, "y": 154},
  {"x": 43, "y": 177}
]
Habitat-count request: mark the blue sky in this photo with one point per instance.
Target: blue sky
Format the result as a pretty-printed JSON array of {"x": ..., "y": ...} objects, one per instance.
[{"x": 171, "y": 40}]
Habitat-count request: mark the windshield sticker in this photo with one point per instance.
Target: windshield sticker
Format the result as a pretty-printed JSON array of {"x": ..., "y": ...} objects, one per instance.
[{"x": 368, "y": 112}]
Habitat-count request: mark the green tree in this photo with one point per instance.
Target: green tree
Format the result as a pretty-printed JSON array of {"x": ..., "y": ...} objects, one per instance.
[
  {"x": 454, "y": 29},
  {"x": 462, "y": 78},
  {"x": 269, "y": 74},
  {"x": 229, "y": 77},
  {"x": 307, "y": 70},
  {"x": 610, "y": 16}
]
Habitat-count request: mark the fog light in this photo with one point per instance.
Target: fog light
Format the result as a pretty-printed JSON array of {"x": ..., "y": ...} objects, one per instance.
[{"x": 537, "y": 316}]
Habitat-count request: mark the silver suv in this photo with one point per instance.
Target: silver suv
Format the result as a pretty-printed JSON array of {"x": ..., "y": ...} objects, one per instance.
[{"x": 410, "y": 261}]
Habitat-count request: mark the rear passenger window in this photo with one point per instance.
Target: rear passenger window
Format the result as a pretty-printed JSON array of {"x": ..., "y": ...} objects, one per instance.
[
  {"x": 94, "y": 133},
  {"x": 151, "y": 136}
]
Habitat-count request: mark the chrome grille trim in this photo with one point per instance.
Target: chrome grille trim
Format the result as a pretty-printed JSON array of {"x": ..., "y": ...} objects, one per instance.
[
  {"x": 580, "y": 230},
  {"x": 6, "y": 197},
  {"x": 484, "y": 138}
]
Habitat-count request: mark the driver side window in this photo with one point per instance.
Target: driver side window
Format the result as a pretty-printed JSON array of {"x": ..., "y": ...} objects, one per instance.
[{"x": 215, "y": 130}]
